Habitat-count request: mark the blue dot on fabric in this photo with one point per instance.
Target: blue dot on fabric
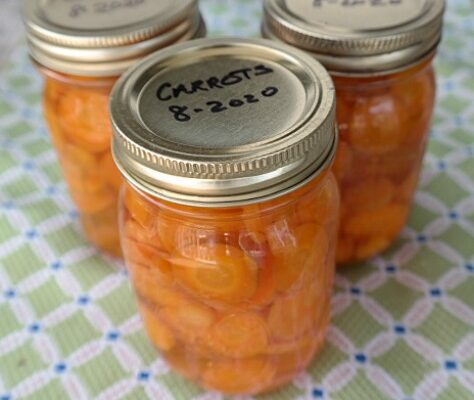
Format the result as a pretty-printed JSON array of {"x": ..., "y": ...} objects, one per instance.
[
  {"x": 5, "y": 397},
  {"x": 454, "y": 215},
  {"x": 451, "y": 365},
  {"x": 83, "y": 300},
  {"x": 391, "y": 269},
  {"x": 360, "y": 358},
  {"x": 8, "y": 205},
  {"x": 28, "y": 165},
  {"x": 60, "y": 368},
  {"x": 470, "y": 267},
  {"x": 10, "y": 293},
  {"x": 143, "y": 375},
  {"x": 113, "y": 336},
  {"x": 400, "y": 329},
  {"x": 31, "y": 234},
  {"x": 441, "y": 165},
  {"x": 422, "y": 238},
  {"x": 436, "y": 292},
  {"x": 355, "y": 290},
  {"x": 34, "y": 328},
  {"x": 318, "y": 393},
  {"x": 56, "y": 265}
]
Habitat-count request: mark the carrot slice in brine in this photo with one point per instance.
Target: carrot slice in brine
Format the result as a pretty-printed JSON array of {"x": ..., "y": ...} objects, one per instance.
[
  {"x": 239, "y": 335},
  {"x": 218, "y": 272},
  {"x": 160, "y": 335},
  {"x": 141, "y": 210},
  {"x": 189, "y": 319},
  {"x": 109, "y": 171},
  {"x": 84, "y": 119},
  {"x": 244, "y": 376}
]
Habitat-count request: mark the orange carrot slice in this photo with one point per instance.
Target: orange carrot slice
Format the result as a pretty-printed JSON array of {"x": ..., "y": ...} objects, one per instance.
[
  {"x": 369, "y": 194},
  {"x": 376, "y": 126},
  {"x": 386, "y": 221},
  {"x": 293, "y": 315},
  {"x": 109, "y": 171},
  {"x": 220, "y": 272},
  {"x": 160, "y": 335},
  {"x": 189, "y": 319},
  {"x": 239, "y": 335},
  {"x": 367, "y": 248},
  {"x": 244, "y": 376},
  {"x": 320, "y": 205},
  {"x": 309, "y": 252},
  {"x": 139, "y": 208},
  {"x": 84, "y": 119},
  {"x": 90, "y": 203},
  {"x": 184, "y": 362}
]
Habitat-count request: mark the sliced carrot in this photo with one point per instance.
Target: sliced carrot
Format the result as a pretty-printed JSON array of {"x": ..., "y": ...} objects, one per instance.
[
  {"x": 102, "y": 230},
  {"x": 367, "y": 248},
  {"x": 244, "y": 376},
  {"x": 220, "y": 272},
  {"x": 407, "y": 188},
  {"x": 345, "y": 250},
  {"x": 84, "y": 118},
  {"x": 321, "y": 204},
  {"x": 160, "y": 335},
  {"x": 151, "y": 287},
  {"x": 109, "y": 171},
  {"x": 90, "y": 203},
  {"x": 369, "y": 194},
  {"x": 386, "y": 221},
  {"x": 293, "y": 315},
  {"x": 189, "y": 319},
  {"x": 266, "y": 287},
  {"x": 343, "y": 164},
  {"x": 141, "y": 210},
  {"x": 239, "y": 335},
  {"x": 83, "y": 182},
  {"x": 308, "y": 253},
  {"x": 289, "y": 363},
  {"x": 184, "y": 362},
  {"x": 376, "y": 126}
]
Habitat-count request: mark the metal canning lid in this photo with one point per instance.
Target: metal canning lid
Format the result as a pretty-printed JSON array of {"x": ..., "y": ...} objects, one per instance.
[
  {"x": 222, "y": 122},
  {"x": 358, "y": 36},
  {"x": 104, "y": 38}
]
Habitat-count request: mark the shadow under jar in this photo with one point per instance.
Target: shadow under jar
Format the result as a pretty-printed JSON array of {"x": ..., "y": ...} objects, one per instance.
[
  {"x": 229, "y": 219},
  {"x": 380, "y": 57},
  {"x": 81, "y": 49}
]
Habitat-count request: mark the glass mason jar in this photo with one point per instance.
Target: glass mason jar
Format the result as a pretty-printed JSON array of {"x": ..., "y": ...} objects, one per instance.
[
  {"x": 229, "y": 219},
  {"x": 81, "y": 50},
  {"x": 381, "y": 64}
]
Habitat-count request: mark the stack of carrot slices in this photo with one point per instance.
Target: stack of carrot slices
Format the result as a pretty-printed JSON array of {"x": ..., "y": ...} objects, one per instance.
[
  {"x": 80, "y": 129},
  {"x": 237, "y": 299},
  {"x": 384, "y": 126}
]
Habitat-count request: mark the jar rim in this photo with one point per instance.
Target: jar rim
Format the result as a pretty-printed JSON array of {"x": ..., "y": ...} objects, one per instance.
[
  {"x": 215, "y": 158},
  {"x": 356, "y": 47}
]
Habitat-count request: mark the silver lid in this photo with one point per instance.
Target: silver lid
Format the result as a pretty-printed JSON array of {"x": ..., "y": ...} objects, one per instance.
[
  {"x": 357, "y": 36},
  {"x": 104, "y": 38},
  {"x": 223, "y": 122}
]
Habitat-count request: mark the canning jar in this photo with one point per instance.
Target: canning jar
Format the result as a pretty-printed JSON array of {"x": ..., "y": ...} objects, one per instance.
[
  {"x": 380, "y": 55},
  {"x": 81, "y": 48},
  {"x": 229, "y": 218}
]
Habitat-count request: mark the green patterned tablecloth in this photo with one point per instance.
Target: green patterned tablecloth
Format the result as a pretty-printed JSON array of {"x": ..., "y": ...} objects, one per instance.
[{"x": 403, "y": 325}]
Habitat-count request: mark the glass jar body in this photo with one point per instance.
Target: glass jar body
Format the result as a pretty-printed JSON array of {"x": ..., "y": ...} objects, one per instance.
[
  {"x": 76, "y": 112},
  {"x": 384, "y": 127},
  {"x": 235, "y": 299}
]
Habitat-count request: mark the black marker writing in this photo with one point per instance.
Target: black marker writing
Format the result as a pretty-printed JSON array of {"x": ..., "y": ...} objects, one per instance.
[{"x": 168, "y": 91}]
